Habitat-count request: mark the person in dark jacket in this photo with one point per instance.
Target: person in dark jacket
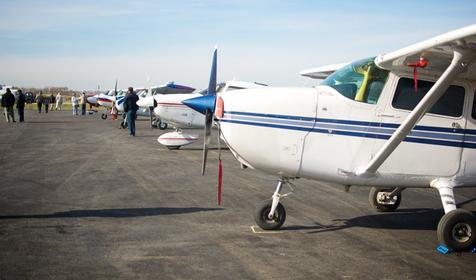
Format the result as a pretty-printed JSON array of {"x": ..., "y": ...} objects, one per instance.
[
  {"x": 21, "y": 105},
  {"x": 39, "y": 101},
  {"x": 8, "y": 101},
  {"x": 130, "y": 108}
]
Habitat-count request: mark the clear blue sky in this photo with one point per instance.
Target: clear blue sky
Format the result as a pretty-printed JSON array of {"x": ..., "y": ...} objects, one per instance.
[{"x": 81, "y": 44}]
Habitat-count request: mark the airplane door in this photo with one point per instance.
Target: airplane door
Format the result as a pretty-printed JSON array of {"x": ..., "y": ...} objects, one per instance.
[
  {"x": 434, "y": 146},
  {"x": 469, "y": 152}
]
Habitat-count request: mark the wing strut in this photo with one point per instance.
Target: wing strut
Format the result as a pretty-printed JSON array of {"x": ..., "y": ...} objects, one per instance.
[{"x": 461, "y": 59}]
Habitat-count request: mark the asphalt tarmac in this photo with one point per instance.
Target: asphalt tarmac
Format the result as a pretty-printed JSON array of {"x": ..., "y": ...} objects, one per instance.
[{"x": 81, "y": 199}]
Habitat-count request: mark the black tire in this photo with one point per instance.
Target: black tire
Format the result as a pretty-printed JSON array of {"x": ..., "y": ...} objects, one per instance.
[
  {"x": 103, "y": 116},
  {"x": 162, "y": 125},
  {"x": 123, "y": 125},
  {"x": 262, "y": 219},
  {"x": 381, "y": 206},
  {"x": 173, "y": 147},
  {"x": 457, "y": 230}
]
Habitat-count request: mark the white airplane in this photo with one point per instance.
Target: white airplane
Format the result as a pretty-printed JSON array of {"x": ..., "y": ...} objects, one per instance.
[
  {"x": 172, "y": 110},
  {"x": 3, "y": 90},
  {"x": 406, "y": 119}
]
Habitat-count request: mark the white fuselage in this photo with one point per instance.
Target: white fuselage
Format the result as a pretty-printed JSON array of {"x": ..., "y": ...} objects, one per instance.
[
  {"x": 171, "y": 110},
  {"x": 323, "y": 135}
]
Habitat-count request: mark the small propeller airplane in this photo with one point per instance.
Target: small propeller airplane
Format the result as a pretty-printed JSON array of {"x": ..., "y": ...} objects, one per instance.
[
  {"x": 171, "y": 110},
  {"x": 406, "y": 119}
]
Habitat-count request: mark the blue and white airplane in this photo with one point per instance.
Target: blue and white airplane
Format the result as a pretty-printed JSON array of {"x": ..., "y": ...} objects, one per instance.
[{"x": 406, "y": 119}]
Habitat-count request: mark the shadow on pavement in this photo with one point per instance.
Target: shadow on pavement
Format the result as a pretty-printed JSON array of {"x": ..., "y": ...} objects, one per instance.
[
  {"x": 113, "y": 213},
  {"x": 405, "y": 219}
]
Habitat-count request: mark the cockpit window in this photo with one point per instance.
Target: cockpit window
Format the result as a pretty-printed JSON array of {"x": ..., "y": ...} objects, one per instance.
[
  {"x": 230, "y": 88},
  {"x": 220, "y": 87},
  {"x": 361, "y": 81}
]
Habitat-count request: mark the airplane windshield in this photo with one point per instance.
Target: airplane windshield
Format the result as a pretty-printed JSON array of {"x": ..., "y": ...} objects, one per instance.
[{"x": 361, "y": 81}]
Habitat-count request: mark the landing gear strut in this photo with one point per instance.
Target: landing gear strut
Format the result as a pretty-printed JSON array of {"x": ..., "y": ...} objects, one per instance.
[
  {"x": 270, "y": 214},
  {"x": 385, "y": 200},
  {"x": 457, "y": 228}
]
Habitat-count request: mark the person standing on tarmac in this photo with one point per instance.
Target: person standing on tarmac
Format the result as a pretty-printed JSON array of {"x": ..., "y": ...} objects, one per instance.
[
  {"x": 21, "y": 105},
  {"x": 53, "y": 101},
  {"x": 130, "y": 107},
  {"x": 59, "y": 101},
  {"x": 46, "y": 101},
  {"x": 8, "y": 100},
  {"x": 83, "y": 104},
  {"x": 39, "y": 101},
  {"x": 74, "y": 102}
]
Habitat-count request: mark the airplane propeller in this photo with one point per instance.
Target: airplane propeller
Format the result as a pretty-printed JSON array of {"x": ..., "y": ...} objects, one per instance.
[{"x": 206, "y": 105}]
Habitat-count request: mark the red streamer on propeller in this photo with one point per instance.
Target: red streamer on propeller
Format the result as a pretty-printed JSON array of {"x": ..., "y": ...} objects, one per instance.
[
  {"x": 220, "y": 177},
  {"x": 422, "y": 63}
]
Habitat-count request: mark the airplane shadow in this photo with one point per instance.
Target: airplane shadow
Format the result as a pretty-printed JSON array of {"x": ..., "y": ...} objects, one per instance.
[
  {"x": 404, "y": 219},
  {"x": 113, "y": 213},
  {"x": 48, "y": 122},
  {"x": 201, "y": 149}
]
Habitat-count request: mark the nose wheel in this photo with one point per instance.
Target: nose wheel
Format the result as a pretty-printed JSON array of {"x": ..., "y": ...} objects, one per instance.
[
  {"x": 270, "y": 214},
  {"x": 263, "y": 219}
]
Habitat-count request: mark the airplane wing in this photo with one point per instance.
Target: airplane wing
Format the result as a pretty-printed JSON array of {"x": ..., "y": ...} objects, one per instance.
[
  {"x": 447, "y": 57},
  {"x": 438, "y": 51},
  {"x": 171, "y": 88},
  {"x": 322, "y": 72}
]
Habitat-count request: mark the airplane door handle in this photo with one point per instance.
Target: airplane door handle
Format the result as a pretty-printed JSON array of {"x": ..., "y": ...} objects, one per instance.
[
  {"x": 456, "y": 125},
  {"x": 387, "y": 115}
]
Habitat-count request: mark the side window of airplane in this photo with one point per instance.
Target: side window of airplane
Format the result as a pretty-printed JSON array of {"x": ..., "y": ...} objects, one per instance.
[{"x": 450, "y": 104}]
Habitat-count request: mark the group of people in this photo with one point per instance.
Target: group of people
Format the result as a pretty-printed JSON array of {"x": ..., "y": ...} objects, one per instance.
[
  {"x": 75, "y": 101},
  {"x": 47, "y": 100},
  {"x": 8, "y": 101}
]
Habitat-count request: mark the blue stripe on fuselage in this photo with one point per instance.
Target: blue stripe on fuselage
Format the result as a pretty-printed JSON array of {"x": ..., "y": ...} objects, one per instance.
[{"x": 420, "y": 134}]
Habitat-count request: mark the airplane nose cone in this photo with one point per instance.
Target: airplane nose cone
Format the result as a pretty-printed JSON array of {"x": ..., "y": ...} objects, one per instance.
[
  {"x": 92, "y": 100},
  {"x": 202, "y": 103}
]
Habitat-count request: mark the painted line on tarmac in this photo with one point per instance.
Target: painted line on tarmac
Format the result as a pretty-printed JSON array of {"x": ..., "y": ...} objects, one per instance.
[{"x": 264, "y": 232}]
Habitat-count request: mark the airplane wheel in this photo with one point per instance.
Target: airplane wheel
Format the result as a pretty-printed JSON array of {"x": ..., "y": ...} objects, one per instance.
[
  {"x": 123, "y": 125},
  {"x": 103, "y": 116},
  {"x": 173, "y": 147},
  {"x": 457, "y": 230},
  {"x": 262, "y": 219},
  {"x": 380, "y": 200},
  {"x": 162, "y": 125}
]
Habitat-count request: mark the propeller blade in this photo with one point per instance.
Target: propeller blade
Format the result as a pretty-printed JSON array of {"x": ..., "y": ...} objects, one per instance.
[
  {"x": 206, "y": 138},
  {"x": 212, "y": 84}
]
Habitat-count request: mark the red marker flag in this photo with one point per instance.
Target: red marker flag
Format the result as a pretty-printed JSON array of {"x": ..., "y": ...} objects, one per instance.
[{"x": 422, "y": 63}]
